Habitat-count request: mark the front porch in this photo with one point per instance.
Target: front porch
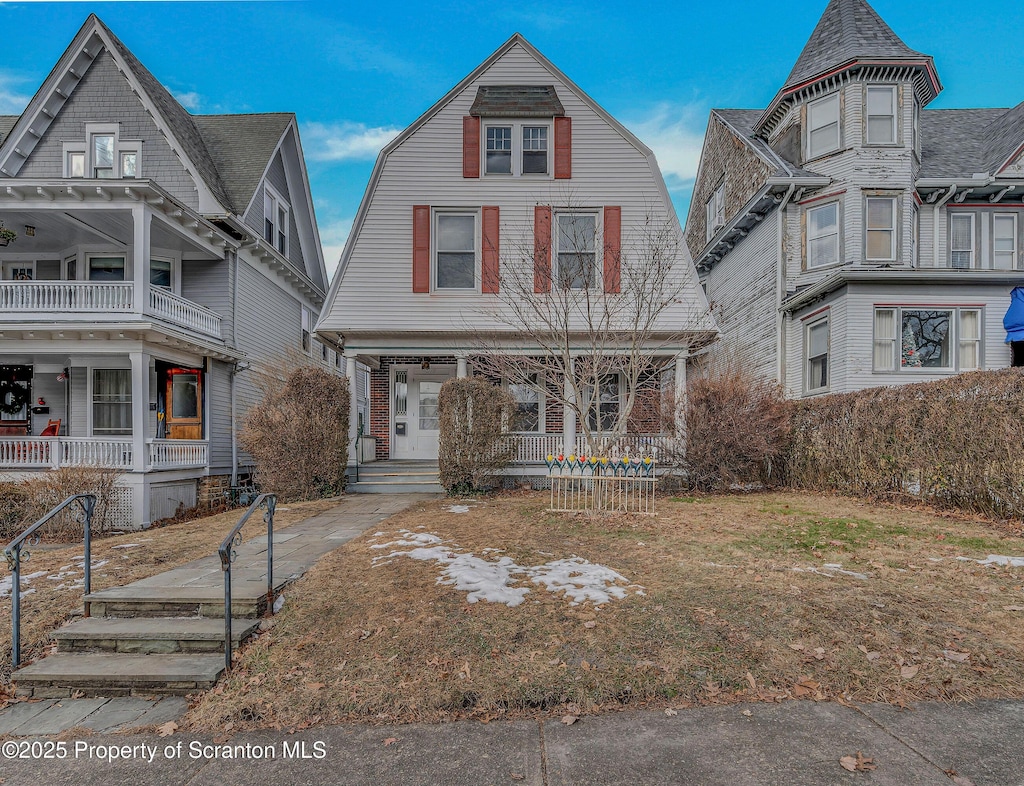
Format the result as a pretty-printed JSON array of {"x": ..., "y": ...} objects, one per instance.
[{"x": 35, "y": 453}]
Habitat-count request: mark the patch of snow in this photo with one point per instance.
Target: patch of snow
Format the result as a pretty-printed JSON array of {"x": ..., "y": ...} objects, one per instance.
[
  {"x": 492, "y": 580},
  {"x": 458, "y": 508},
  {"x": 7, "y": 583},
  {"x": 378, "y": 535},
  {"x": 409, "y": 539},
  {"x": 997, "y": 559},
  {"x": 831, "y": 570},
  {"x": 126, "y": 546},
  {"x": 279, "y": 603}
]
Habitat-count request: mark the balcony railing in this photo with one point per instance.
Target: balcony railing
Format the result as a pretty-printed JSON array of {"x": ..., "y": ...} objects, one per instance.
[
  {"x": 177, "y": 453},
  {"x": 113, "y": 299},
  {"x": 535, "y": 448}
]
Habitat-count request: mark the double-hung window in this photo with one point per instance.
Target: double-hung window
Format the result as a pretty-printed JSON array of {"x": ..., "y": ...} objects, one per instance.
[
  {"x": 1004, "y": 241},
  {"x": 275, "y": 220},
  {"x": 961, "y": 240},
  {"x": 517, "y": 148},
  {"x": 576, "y": 257},
  {"x": 880, "y": 234},
  {"x": 307, "y": 330},
  {"x": 714, "y": 212},
  {"x": 603, "y": 413},
  {"x": 455, "y": 263},
  {"x": 823, "y": 126},
  {"x": 881, "y": 115},
  {"x": 111, "y": 401},
  {"x": 529, "y": 404},
  {"x": 816, "y": 341},
  {"x": 823, "y": 235},
  {"x": 936, "y": 339}
]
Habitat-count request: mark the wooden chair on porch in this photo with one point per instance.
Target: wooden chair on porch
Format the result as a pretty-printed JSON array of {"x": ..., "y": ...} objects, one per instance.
[
  {"x": 52, "y": 429},
  {"x": 34, "y": 452}
]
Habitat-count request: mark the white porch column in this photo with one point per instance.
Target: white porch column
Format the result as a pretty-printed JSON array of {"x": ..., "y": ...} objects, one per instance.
[
  {"x": 462, "y": 367},
  {"x": 568, "y": 417},
  {"x": 680, "y": 401},
  {"x": 353, "y": 407},
  {"x": 140, "y": 408},
  {"x": 140, "y": 258}
]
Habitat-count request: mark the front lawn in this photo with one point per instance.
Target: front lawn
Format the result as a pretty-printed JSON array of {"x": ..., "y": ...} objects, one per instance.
[{"x": 755, "y": 597}]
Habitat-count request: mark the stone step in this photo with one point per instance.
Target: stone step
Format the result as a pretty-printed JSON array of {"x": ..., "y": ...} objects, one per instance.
[
  {"x": 142, "y": 636},
  {"x": 135, "y": 601},
  {"x": 116, "y": 674},
  {"x": 395, "y": 487}
]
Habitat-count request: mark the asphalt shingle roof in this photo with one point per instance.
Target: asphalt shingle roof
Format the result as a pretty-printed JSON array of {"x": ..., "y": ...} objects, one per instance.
[
  {"x": 241, "y": 146},
  {"x": 7, "y": 125},
  {"x": 848, "y": 29},
  {"x": 744, "y": 121},
  {"x": 954, "y": 142},
  {"x": 516, "y": 101}
]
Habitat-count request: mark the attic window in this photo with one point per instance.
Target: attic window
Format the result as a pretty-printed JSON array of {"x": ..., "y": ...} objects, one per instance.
[
  {"x": 102, "y": 155},
  {"x": 275, "y": 220}
]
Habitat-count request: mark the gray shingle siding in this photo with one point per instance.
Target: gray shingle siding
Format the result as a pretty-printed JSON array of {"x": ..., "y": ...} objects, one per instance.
[
  {"x": 208, "y": 283},
  {"x": 104, "y": 96}
]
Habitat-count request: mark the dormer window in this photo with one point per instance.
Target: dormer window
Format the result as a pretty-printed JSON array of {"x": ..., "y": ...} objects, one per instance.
[
  {"x": 516, "y": 148},
  {"x": 275, "y": 220},
  {"x": 823, "y": 126},
  {"x": 103, "y": 155}
]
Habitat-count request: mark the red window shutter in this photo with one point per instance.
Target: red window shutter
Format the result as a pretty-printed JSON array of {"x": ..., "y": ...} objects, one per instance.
[
  {"x": 612, "y": 249},
  {"x": 563, "y": 148},
  {"x": 542, "y": 248},
  {"x": 470, "y": 146},
  {"x": 490, "y": 254},
  {"x": 421, "y": 248}
]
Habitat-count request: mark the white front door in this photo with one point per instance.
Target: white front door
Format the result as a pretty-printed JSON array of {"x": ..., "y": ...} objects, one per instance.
[{"x": 416, "y": 431}]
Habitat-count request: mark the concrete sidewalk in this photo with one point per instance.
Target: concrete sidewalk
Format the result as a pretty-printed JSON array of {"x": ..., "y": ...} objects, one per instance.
[{"x": 797, "y": 743}]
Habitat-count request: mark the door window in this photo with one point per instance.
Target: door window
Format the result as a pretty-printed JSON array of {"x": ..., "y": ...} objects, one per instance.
[
  {"x": 185, "y": 396},
  {"x": 429, "y": 391}
]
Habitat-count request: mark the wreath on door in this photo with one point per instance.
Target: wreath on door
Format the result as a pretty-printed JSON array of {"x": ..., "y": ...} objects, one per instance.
[{"x": 13, "y": 396}]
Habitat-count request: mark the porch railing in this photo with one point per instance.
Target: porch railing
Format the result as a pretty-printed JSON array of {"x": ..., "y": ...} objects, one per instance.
[
  {"x": 177, "y": 453},
  {"x": 535, "y": 448},
  {"x": 184, "y": 312},
  {"x": 81, "y": 296},
  {"x": 54, "y": 453}
]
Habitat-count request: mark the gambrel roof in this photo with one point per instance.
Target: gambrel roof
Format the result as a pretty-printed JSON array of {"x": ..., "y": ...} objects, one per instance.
[{"x": 848, "y": 30}]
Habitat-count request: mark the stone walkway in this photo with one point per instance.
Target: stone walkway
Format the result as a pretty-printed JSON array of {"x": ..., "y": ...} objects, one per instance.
[{"x": 296, "y": 549}]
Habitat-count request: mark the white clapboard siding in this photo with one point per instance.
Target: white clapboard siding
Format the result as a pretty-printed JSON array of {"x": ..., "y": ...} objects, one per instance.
[
  {"x": 796, "y": 351},
  {"x": 426, "y": 169}
]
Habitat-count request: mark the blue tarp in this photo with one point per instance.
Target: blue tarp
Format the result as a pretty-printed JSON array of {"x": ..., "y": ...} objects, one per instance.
[{"x": 1014, "y": 319}]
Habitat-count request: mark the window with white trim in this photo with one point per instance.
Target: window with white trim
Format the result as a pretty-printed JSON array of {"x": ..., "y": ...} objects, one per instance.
[
  {"x": 307, "y": 330},
  {"x": 880, "y": 229},
  {"x": 961, "y": 240},
  {"x": 603, "y": 413},
  {"x": 923, "y": 339},
  {"x": 823, "y": 235},
  {"x": 111, "y": 402},
  {"x": 517, "y": 148},
  {"x": 161, "y": 273},
  {"x": 881, "y": 115},
  {"x": 102, "y": 154},
  {"x": 455, "y": 257},
  {"x": 102, "y": 268},
  {"x": 576, "y": 250},
  {"x": 714, "y": 212},
  {"x": 275, "y": 220},
  {"x": 823, "y": 126},
  {"x": 816, "y": 343},
  {"x": 529, "y": 405},
  {"x": 1004, "y": 241}
]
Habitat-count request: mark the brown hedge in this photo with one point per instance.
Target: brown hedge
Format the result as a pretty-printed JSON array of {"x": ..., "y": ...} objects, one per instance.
[
  {"x": 474, "y": 416},
  {"x": 958, "y": 443}
]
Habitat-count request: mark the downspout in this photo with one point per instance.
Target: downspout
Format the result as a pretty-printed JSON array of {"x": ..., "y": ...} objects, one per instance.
[
  {"x": 233, "y": 270},
  {"x": 780, "y": 290},
  {"x": 935, "y": 223}
]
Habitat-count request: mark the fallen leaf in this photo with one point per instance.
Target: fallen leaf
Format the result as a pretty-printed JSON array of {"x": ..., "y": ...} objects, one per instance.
[
  {"x": 858, "y": 763},
  {"x": 517, "y": 776},
  {"x": 751, "y": 682},
  {"x": 390, "y": 741},
  {"x": 909, "y": 672},
  {"x": 848, "y": 763},
  {"x": 671, "y": 713},
  {"x": 315, "y": 686},
  {"x": 958, "y": 779},
  {"x": 797, "y": 647},
  {"x": 569, "y": 720},
  {"x": 956, "y": 657},
  {"x": 589, "y": 624},
  {"x": 747, "y": 713},
  {"x": 167, "y": 729}
]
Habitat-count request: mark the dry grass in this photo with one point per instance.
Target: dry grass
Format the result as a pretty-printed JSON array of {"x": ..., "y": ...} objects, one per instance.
[
  {"x": 52, "y": 602},
  {"x": 725, "y": 617}
]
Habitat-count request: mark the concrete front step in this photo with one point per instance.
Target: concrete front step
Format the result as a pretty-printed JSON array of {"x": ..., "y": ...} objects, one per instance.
[
  {"x": 396, "y": 486},
  {"x": 134, "y": 601},
  {"x": 144, "y": 636},
  {"x": 116, "y": 674}
]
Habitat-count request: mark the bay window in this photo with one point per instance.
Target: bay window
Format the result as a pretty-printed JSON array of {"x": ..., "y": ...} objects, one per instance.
[
  {"x": 823, "y": 235},
  {"x": 881, "y": 115},
  {"x": 880, "y": 235},
  {"x": 823, "y": 126},
  {"x": 915, "y": 338}
]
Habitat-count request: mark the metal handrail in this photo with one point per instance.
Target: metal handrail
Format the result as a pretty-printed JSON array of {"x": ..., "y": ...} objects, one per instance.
[
  {"x": 228, "y": 554},
  {"x": 16, "y": 553}
]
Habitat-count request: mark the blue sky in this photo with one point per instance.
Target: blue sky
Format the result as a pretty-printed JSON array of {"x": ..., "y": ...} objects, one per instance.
[{"x": 356, "y": 73}]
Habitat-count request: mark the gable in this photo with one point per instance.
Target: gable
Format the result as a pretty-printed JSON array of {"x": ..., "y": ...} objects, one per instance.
[{"x": 103, "y": 95}]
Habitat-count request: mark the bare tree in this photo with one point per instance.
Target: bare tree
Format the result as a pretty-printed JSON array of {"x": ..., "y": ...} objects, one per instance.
[{"x": 569, "y": 316}]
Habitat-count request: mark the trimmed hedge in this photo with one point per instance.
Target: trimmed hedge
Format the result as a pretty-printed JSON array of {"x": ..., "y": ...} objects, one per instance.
[
  {"x": 957, "y": 443},
  {"x": 474, "y": 415}
]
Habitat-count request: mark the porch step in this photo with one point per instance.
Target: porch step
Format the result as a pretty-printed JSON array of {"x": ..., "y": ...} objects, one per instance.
[
  {"x": 396, "y": 486},
  {"x": 115, "y": 674},
  {"x": 150, "y": 636},
  {"x": 396, "y": 477},
  {"x": 135, "y": 601}
]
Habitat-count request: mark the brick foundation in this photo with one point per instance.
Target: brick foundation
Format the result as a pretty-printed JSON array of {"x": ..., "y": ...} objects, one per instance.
[{"x": 212, "y": 490}]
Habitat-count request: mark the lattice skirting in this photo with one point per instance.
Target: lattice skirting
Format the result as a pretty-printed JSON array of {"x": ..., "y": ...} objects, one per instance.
[{"x": 120, "y": 513}]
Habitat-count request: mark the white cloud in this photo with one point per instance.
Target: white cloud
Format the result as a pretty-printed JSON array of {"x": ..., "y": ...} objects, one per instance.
[
  {"x": 190, "y": 100},
  {"x": 345, "y": 141},
  {"x": 333, "y": 235},
  {"x": 12, "y": 99},
  {"x": 676, "y": 135}
]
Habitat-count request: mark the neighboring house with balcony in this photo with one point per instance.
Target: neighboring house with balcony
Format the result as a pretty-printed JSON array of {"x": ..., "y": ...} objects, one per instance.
[
  {"x": 514, "y": 166},
  {"x": 162, "y": 261},
  {"x": 847, "y": 236}
]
